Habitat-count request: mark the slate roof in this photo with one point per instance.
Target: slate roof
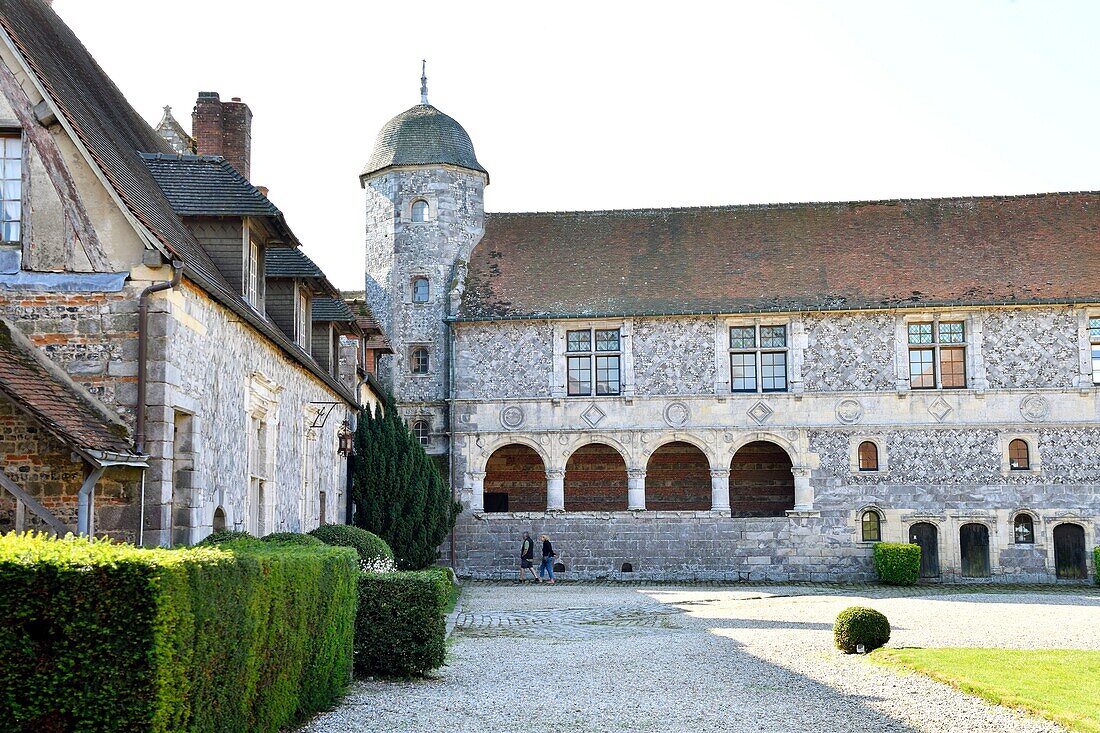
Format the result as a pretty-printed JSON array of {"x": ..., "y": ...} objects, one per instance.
[
  {"x": 332, "y": 309},
  {"x": 797, "y": 257},
  {"x": 422, "y": 135},
  {"x": 41, "y": 390},
  {"x": 115, "y": 136},
  {"x": 290, "y": 262},
  {"x": 206, "y": 185}
]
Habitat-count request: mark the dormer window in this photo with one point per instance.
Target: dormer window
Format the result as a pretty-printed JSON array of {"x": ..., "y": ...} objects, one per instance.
[
  {"x": 253, "y": 274},
  {"x": 11, "y": 173},
  {"x": 419, "y": 211},
  {"x": 304, "y": 320},
  {"x": 420, "y": 290}
]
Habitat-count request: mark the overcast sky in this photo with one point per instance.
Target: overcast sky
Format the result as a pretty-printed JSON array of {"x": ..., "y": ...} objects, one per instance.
[{"x": 606, "y": 105}]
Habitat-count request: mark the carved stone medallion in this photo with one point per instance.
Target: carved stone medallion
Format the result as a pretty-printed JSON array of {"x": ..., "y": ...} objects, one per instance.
[
  {"x": 677, "y": 414},
  {"x": 849, "y": 411},
  {"x": 512, "y": 417},
  {"x": 1034, "y": 408}
]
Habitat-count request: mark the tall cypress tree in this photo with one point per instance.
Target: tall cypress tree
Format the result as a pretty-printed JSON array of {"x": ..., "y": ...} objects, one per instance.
[{"x": 398, "y": 491}]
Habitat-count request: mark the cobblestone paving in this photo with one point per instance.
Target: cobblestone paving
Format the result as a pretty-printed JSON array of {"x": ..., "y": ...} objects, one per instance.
[{"x": 709, "y": 657}]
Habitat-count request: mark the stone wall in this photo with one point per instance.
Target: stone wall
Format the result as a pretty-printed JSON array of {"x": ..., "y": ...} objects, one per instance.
[
  {"x": 674, "y": 356},
  {"x": 1028, "y": 348},
  {"x": 502, "y": 359},
  {"x": 849, "y": 353}
]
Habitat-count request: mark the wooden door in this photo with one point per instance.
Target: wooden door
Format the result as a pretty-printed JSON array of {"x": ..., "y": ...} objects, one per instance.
[
  {"x": 974, "y": 544},
  {"x": 926, "y": 536},
  {"x": 1069, "y": 551}
]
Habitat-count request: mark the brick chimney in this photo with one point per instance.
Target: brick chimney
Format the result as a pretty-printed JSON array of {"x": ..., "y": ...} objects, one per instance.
[{"x": 223, "y": 128}]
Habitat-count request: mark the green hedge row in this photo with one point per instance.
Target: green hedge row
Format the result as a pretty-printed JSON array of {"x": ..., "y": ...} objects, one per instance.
[
  {"x": 401, "y": 626},
  {"x": 897, "y": 564},
  {"x": 105, "y": 637}
]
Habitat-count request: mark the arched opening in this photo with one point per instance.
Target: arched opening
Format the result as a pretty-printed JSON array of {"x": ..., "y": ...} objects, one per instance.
[
  {"x": 677, "y": 479},
  {"x": 1023, "y": 529},
  {"x": 515, "y": 480},
  {"x": 595, "y": 480},
  {"x": 219, "y": 519},
  {"x": 1069, "y": 552},
  {"x": 420, "y": 361},
  {"x": 761, "y": 481},
  {"x": 974, "y": 547},
  {"x": 1019, "y": 458},
  {"x": 868, "y": 456},
  {"x": 871, "y": 526},
  {"x": 925, "y": 536},
  {"x": 422, "y": 431},
  {"x": 420, "y": 290},
  {"x": 420, "y": 211}
]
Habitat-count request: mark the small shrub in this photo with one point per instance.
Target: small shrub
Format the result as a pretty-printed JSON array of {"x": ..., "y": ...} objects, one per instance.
[
  {"x": 225, "y": 535},
  {"x": 293, "y": 538},
  {"x": 897, "y": 564},
  {"x": 369, "y": 545},
  {"x": 401, "y": 625},
  {"x": 858, "y": 625}
]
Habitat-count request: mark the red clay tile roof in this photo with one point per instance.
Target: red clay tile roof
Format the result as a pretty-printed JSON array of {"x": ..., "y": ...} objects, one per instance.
[
  {"x": 796, "y": 257},
  {"x": 38, "y": 389}
]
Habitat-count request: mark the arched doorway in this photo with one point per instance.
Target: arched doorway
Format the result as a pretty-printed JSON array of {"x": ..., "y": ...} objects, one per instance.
[
  {"x": 515, "y": 480},
  {"x": 677, "y": 478},
  {"x": 761, "y": 481},
  {"x": 974, "y": 549},
  {"x": 595, "y": 480},
  {"x": 1069, "y": 552},
  {"x": 926, "y": 536},
  {"x": 219, "y": 519}
]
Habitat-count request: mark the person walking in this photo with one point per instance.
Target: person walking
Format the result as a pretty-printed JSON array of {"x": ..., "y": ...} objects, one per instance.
[
  {"x": 548, "y": 555},
  {"x": 527, "y": 558}
]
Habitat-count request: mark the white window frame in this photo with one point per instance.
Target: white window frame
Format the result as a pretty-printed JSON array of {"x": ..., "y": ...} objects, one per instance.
[
  {"x": 252, "y": 269},
  {"x": 426, "y": 421},
  {"x": 14, "y": 175},
  {"x": 559, "y": 374},
  {"x": 972, "y": 343},
  {"x": 261, "y": 423},
  {"x": 303, "y": 318}
]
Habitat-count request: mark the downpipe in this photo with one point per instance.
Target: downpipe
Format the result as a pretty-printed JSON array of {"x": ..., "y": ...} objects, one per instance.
[{"x": 143, "y": 377}]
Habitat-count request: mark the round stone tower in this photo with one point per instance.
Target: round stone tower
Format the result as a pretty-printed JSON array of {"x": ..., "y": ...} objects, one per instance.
[{"x": 425, "y": 212}]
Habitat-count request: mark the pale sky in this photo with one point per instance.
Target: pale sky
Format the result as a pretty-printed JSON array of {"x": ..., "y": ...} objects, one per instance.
[{"x": 600, "y": 105}]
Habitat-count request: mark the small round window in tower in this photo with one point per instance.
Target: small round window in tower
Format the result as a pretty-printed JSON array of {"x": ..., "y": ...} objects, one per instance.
[
  {"x": 420, "y": 290},
  {"x": 422, "y": 431},
  {"x": 420, "y": 361},
  {"x": 419, "y": 211}
]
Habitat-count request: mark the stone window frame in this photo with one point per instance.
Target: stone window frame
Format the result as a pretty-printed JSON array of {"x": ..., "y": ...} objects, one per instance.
[
  {"x": 975, "y": 363},
  {"x": 854, "y": 442},
  {"x": 1088, "y": 378},
  {"x": 1036, "y": 528},
  {"x": 1035, "y": 466},
  {"x": 796, "y": 349},
  {"x": 262, "y": 406},
  {"x": 425, "y": 420},
  {"x": 433, "y": 210},
  {"x": 412, "y": 349},
  {"x": 559, "y": 387},
  {"x": 412, "y": 289},
  {"x": 859, "y": 524}
]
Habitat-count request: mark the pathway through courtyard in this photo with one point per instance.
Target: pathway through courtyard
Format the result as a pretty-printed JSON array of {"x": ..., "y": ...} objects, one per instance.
[{"x": 736, "y": 658}]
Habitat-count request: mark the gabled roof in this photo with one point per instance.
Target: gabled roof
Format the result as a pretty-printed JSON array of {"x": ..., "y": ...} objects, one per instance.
[
  {"x": 115, "y": 136},
  {"x": 44, "y": 392},
  {"x": 332, "y": 309},
  {"x": 290, "y": 262},
  {"x": 787, "y": 257}
]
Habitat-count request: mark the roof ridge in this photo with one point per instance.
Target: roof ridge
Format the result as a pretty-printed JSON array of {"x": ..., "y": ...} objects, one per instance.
[
  {"x": 797, "y": 204},
  {"x": 190, "y": 157}
]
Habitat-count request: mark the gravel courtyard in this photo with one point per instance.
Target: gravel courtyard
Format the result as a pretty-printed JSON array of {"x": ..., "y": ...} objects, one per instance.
[{"x": 735, "y": 658}]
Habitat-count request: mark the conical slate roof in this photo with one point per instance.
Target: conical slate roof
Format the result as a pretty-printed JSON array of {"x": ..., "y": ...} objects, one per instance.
[{"x": 422, "y": 135}]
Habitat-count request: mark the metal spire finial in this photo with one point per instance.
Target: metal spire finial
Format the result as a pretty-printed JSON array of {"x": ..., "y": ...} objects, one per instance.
[{"x": 423, "y": 81}]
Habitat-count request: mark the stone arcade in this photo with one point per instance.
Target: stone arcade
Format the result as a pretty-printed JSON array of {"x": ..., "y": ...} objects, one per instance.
[{"x": 744, "y": 392}]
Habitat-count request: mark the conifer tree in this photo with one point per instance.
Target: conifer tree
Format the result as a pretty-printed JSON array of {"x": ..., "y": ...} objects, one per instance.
[{"x": 398, "y": 491}]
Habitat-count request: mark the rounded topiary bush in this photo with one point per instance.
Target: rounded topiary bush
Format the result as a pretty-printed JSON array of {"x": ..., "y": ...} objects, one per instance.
[
  {"x": 291, "y": 538},
  {"x": 226, "y": 535},
  {"x": 858, "y": 625},
  {"x": 370, "y": 546}
]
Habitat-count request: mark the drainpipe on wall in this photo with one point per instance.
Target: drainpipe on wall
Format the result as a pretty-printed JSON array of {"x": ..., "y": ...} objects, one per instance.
[{"x": 143, "y": 377}]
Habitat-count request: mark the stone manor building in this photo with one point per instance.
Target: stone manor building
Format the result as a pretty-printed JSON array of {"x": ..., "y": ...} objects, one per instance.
[
  {"x": 744, "y": 392},
  {"x": 170, "y": 362}
]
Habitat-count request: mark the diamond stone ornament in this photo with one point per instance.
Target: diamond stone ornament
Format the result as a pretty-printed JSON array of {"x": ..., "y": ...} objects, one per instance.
[
  {"x": 760, "y": 412},
  {"x": 940, "y": 409},
  {"x": 593, "y": 415}
]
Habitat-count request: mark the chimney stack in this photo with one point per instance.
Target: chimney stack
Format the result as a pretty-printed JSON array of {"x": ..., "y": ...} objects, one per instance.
[{"x": 223, "y": 128}]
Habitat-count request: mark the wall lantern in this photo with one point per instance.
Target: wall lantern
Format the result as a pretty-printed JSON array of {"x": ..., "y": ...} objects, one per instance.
[{"x": 346, "y": 440}]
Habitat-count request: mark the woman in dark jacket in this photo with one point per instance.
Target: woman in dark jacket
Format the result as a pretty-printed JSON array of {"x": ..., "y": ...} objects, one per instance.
[
  {"x": 548, "y": 555},
  {"x": 527, "y": 558}
]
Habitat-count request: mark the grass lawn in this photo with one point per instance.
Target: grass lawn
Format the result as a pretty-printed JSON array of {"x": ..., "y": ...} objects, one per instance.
[
  {"x": 452, "y": 597},
  {"x": 1062, "y": 685}
]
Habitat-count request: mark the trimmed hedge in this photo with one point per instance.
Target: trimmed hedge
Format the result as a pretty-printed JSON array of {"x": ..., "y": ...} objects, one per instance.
[
  {"x": 225, "y": 535},
  {"x": 401, "y": 626},
  {"x": 292, "y": 538},
  {"x": 369, "y": 545},
  {"x": 241, "y": 637},
  {"x": 897, "y": 564},
  {"x": 858, "y": 625}
]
